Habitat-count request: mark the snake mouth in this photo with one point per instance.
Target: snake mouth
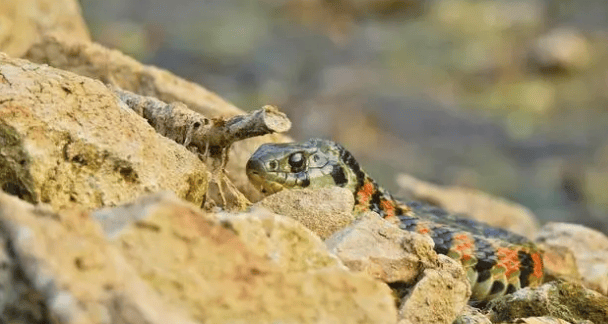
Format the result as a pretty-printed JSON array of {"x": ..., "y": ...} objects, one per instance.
[
  {"x": 262, "y": 184},
  {"x": 259, "y": 177}
]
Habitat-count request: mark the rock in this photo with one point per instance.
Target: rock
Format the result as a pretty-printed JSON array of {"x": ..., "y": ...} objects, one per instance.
[
  {"x": 471, "y": 203},
  {"x": 196, "y": 262},
  {"x": 471, "y": 315},
  {"x": 562, "y": 300},
  {"x": 439, "y": 297},
  {"x": 323, "y": 211},
  {"x": 561, "y": 49},
  {"x": 545, "y": 320},
  {"x": 281, "y": 239},
  {"x": 61, "y": 270},
  {"x": 382, "y": 250},
  {"x": 24, "y": 22},
  {"x": 114, "y": 68},
  {"x": 589, "y": 248},
  {"x": 559, "y": 263},
  {"x": 70, "y": 142}
]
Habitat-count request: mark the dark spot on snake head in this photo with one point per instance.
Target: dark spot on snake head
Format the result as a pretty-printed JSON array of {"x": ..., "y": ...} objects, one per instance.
[{"x": 339, "y": 176}]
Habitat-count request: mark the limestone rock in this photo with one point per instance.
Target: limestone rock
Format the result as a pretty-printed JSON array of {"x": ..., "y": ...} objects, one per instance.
[
  {"x": 589, "y": 248},
  {"x": 197, "y": 261},
  {"x": 281, "y": 239},
  {"x": 563, "y": 300},
  {"x": 563, "y": 48},
  {"x": 323, "y": 211},
  {"x": 69, "y": 141},
  {"x": 114, "y": 68},
  {"x": 439, "y": 297},
  {"x": 471, "y": 203},
  {"x": 60, "y": 269},
  {"x": 382, "y": 250},
  {"x": 24, "y": 22}
]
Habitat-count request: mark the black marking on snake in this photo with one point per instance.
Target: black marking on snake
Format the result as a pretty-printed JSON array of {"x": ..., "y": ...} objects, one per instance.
[
  {"x": 407, "y": 223},
  {"x": 497, "y": 287},
  {"x": 337, "y": 173},
  {"x": 510, "y": 289},
  {"x": 486, "y": 259},
  {"x": 375, "y": 201},
  {"x": 526, "y": 267},
  {"x": 483, "y": 275},
  {"x": 442, "y": 237}
]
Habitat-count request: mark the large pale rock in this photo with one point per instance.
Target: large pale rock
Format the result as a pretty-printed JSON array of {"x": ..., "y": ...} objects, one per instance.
[
  {"x": 323, "y": 211},
  {"x": 60, "y": 269},
  {"x": 112, "y": 67},
  {"x": 69, "y": 141},
  {"x": 439, "y": 297},
  {"x": 562, "y": 300},
  {"x": 471, "y": 203},
  {"x": 281, "y": 239},
  {"x": 588, "y": 246},
  {"x": 382, "y": 250},
  {"x": 197, "y": 261},
  {"x": 24, "y": 22}
]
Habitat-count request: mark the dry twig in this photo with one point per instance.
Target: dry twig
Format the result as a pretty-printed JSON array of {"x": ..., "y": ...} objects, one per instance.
[{"x": 209, "y": 138}]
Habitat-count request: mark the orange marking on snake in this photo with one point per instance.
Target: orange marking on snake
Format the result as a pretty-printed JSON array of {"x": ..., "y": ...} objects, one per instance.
[
  {"x": 538, "y": 265},
  {"x": 388, "y": 207},
  {"x": 423, "y": 230},
  {"x": 509, "y": 260},
  {"x": 365, "y": 194}
]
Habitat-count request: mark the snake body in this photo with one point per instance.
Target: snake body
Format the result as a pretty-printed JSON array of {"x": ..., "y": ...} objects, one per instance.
[{"x": 496, "y": 261}]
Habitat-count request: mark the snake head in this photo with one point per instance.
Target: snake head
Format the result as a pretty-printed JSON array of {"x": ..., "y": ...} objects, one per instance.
[{"x": 315, "y": 163}]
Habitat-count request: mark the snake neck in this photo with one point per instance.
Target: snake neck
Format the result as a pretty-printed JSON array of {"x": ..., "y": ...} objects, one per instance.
[{"x": 369, "y": 196}]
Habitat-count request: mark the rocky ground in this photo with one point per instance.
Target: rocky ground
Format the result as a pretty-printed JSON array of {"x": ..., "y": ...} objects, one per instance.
[{"x": 101, "y": 218}]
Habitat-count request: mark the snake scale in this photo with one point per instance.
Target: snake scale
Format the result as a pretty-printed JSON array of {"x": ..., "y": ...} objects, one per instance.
[{"x": 496, "y": 261}]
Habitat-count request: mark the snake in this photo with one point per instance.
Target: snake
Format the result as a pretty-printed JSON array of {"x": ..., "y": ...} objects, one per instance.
[{"x": 496, "y": 261}]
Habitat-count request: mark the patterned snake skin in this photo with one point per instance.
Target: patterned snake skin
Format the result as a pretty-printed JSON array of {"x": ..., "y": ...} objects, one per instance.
[{"x": 497, "y": 262}]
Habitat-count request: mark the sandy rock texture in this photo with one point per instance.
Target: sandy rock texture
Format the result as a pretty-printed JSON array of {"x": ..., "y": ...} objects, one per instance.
[
  {"x": 379, "y": 248},
  {"x": 70, "y": 142},
  {"x": 117, "y": 69},
  {"x": 25, "y": 22},
  {"x": 474, "y": 204},
  {"x": 197, "y": 262},
  {"x": 588, "y": 247},
  {"x": 323, "y": 211},
  {"x": 161, "y": 260},
  {"x": 439, "y": 297},
  {"x": 285, "y": 241}
]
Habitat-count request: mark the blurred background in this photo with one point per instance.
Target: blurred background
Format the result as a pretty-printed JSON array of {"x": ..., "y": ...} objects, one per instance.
[{"x": 507, "y": 96}]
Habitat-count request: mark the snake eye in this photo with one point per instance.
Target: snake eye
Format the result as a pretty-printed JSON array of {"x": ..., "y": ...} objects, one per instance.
[{"x": 296, "y": 160}]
